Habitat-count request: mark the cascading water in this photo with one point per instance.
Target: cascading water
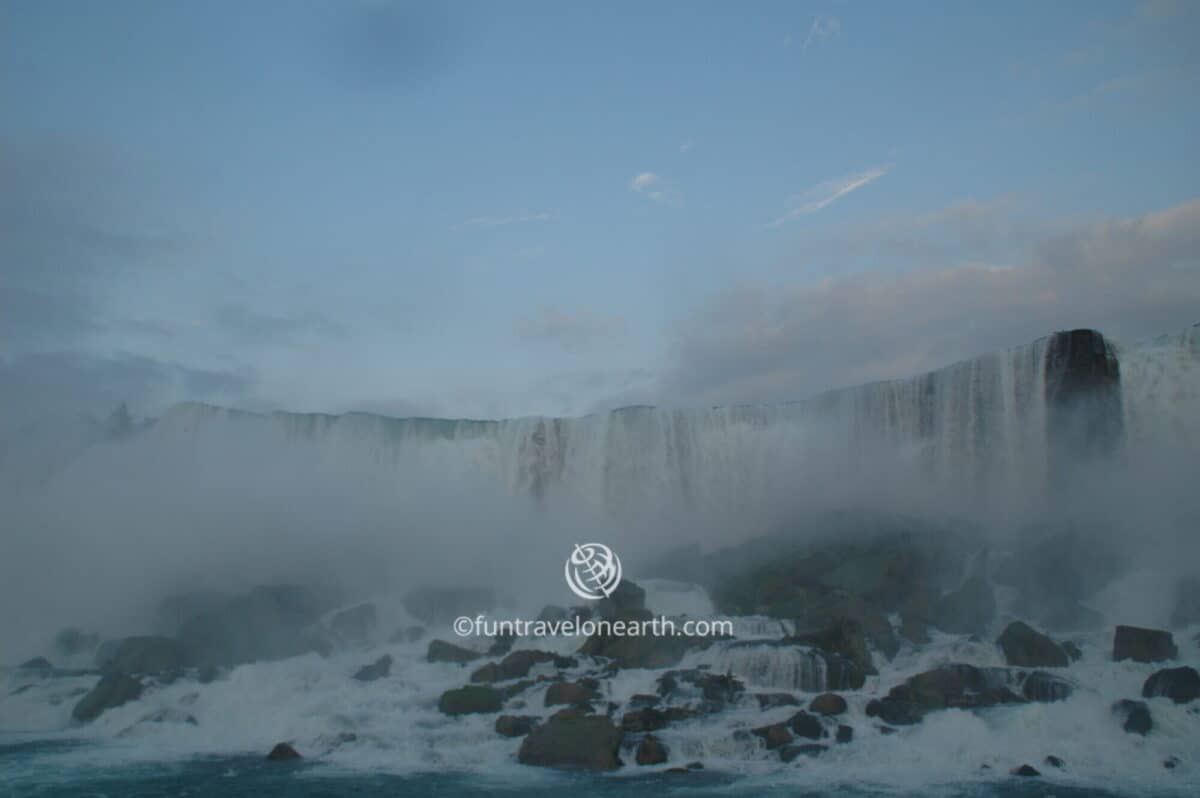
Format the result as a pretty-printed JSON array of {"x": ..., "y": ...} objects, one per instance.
[{"x": 979, "y": 424}]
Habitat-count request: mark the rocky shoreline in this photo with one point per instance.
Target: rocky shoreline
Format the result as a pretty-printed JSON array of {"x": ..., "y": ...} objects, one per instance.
[{"x": 842, "y": 612}]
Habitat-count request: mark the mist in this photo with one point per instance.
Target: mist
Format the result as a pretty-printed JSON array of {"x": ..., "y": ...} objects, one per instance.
[{"x": 208, "y": 500}]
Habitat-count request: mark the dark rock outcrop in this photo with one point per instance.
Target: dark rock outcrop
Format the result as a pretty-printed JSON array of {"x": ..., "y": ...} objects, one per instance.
[
  {"x": 845, "y": 734},
  {"x": 716, "y": 689},
  {"x": 355, "y": 626},
  {"x": 627, "y": 598},
  {"x": 1084, "y": 418},
  {"x": 590, "y": 742},
  {"x": 775, "y": 735},
  {"x": 791, "y": 752},
  {"x": 803, "y": 724},
  {"x": 149, "y": 655},
  {"x": 646, "y": 719},
  {"x": 571, "y": 693},
  {"x": 1044, "y": 687},
  {"x": 441, "y": 651},
  {"x": 772, "y": 700},
  {"x": 1143, "y": 645},
  {"x": 112, "y": 691},
  {"x": 1187, "y": 603},
  {"x": 947, "y": 687},
  {"x": 651, "y": 751},
  {"x": 828, "y": 704},
  {"x": 268, "y": 623},
  {"x": 641, "y": 651},
  {"x": 38, "y": 665},
  {"x": 1055, "y": 572},
  {"x": 1055, "y": 761},
  {"x": 71, "y": 642},
  {"x": 1026, "y": 647},
  {"x": 848, "y": 659},
  {"x": 1181, "y": 685},
  {"x": 518, "y": 664},
  {"x": 283, "y": 752},
  {"x": 379, "y": 669},
  {"x": 1134, "y": 716},
  {"x": 472, "y": 699},
  {"x": 971, "y": 608},
  {"x": 1026, "y": 771},
  {"x": 515, "y": 725}
]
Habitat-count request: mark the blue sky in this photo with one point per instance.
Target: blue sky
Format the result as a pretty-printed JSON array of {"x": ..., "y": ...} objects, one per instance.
[{"x": 489, "y": 209}]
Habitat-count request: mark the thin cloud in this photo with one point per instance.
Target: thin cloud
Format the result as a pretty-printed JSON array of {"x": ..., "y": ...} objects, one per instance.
[
  {"x": 501, "y": 221},
  {"x": 653, "y": 187},
  {"x": 821, "y": 28},
  {"x": 573, "y": 331},
  {"x": 824, "y": 194}
]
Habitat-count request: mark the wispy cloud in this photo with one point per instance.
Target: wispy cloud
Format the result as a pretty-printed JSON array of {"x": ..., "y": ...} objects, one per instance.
[
  {"x": 821, "y": 28},
  {"x": 826, "y": 193},
  {"x": 685, "y": 146},
  {"x": 654, "y": 187},
  {"x": 500, "y": 221},
  {"x": 573, "y": 331}
]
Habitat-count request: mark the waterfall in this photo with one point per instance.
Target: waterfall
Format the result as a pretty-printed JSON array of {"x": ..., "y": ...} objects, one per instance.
[{"x": 770, "y": 665}]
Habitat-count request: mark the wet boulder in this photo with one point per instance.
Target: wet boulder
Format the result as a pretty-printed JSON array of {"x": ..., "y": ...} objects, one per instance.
[
  {"x": 1025, "y": 647},
  {"x": 646, "y": 719},
  {"x": 790, "y": 753},
  {"x": 803, "y": 724},
  {"x": 1134, "y": 716},
  {"x": 651, "y": 751},
  {"x": 39, "y": 665},
  {"x": 1181, "y": 685},
  {"x": 947, "y": 687},
  {"x": 379, "y": 669},
  {"x": 847, "y": 656},
  {"x": 1025, "y": 771},
  {"x": 775, "y": 735},
  {"x": 1045, "y": 687},
  {"x": 828, "y": 704},
  {"x": 1143, "y": 645},
  {"x": 150, "y": 655},
  {"x": 470, "y": 700},
  {"x": 716, "y": 689},
  {"x": 572, "y": 693},
  {"x": 845, "y": 734},
  {"x": 283, "y": 752},
  {"x": 113, "y": 690},
  {"x": 627, "y": 598},
  {"x": 518, "y": 664},
  {"x": 441, "y": 651},
  {"x": 590, "y": 742},
  {"x": 641, "y": 650},
  {"x": 515, "y": 725},
  {"x": 772, "y": 700}
]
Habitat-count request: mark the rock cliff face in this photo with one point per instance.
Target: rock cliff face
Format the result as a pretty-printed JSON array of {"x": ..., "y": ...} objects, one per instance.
[{"x": 1084, "y": 413}]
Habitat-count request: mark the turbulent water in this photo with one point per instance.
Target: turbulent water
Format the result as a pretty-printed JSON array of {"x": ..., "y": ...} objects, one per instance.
[{"x": 982, "y": 430}]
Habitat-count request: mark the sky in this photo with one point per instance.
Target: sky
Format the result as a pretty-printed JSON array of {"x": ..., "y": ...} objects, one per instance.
[{"x": 504, "y": 209}]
